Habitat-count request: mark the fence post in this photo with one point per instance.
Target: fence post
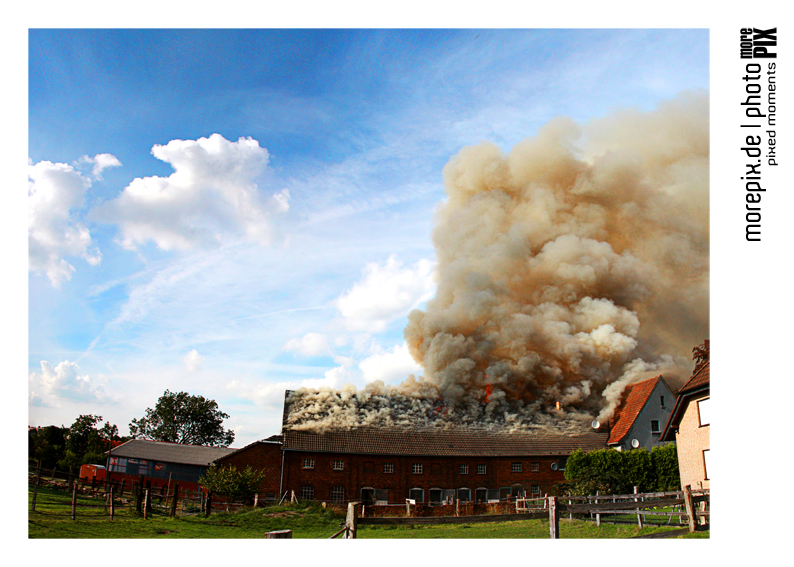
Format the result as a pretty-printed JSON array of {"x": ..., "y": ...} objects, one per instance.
[
  {"x": 554, "y": 518},
  {"x": 36, "y": 488},
  {"x": 146, "y": 504},
  {"x": 256, "y": 500},
  {"x": 208, "y": 505},
  {"x": 636, "y": 499},
  {"x": 74, "y": 499},
  {"x": 598, "y": 515},
  {"x": 112, "y": 509},
  {"x": 174, "y": 499},
  {"x": 351, "y": 522},
  {"x": 690, "y": 507}
]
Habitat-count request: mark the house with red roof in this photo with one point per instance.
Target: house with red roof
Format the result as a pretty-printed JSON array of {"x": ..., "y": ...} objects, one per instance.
[
  {"x": 690, "y": 423},
  {"x": 639, "y": 419}
]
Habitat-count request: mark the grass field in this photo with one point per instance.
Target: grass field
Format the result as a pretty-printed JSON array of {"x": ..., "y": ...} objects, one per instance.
[{"x": 52, "y": 520}]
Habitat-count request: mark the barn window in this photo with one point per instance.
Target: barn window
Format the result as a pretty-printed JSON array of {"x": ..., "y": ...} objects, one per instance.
[
  {"x": 388, "y": 468},
  {"x": 535, "y": 490},
  {"x": 339, "y": 465},
  {"x": 464, "y": 494},
  {"x": 417, "y": 494},
  {"x": 516, "y": 467},
  {"x": 308, "y": 463},
  {"x": 306, "y": 493},
  {"x": 463, "y": 469},
  {"x": 534, "y": 467},
  {"x": 338, "y": 494},
  {"x": 481, "y": 494},
  {"x": 435, "y": 496},
  {"x": 481, "y": 469},
  {"x": 417, "y": 468}
]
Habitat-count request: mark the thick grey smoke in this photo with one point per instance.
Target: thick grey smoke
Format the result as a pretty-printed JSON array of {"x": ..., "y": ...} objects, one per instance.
[{"x": 568, "y": 268}]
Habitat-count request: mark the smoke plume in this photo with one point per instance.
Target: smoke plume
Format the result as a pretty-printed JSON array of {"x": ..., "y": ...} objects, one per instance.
[{"x": 568, "y": 268}]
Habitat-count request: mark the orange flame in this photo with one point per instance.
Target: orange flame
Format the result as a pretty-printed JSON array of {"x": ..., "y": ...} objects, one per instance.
[{"x": 488, "y": 390}]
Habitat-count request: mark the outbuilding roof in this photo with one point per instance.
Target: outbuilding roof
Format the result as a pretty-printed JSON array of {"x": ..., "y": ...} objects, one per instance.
[
  {"x": 441, "y": 442},
  {"x": 169, "y": 452}
]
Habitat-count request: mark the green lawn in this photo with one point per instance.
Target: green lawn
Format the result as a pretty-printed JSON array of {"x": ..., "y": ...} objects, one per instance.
[{"x": 52, "y": 520}]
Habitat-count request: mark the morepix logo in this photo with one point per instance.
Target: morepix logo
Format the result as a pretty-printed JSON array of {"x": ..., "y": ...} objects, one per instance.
[{"x": 755, "y": 43}]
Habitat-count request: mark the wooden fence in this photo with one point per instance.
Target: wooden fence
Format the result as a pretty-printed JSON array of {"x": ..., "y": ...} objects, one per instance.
[{"x": 552, "y": 507}]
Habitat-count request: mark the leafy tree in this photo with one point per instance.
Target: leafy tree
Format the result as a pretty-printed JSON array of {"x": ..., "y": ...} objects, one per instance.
[
  {"x": 87, "y": 443},
  {"x": 230, "y": 483},
  {"x": 47, "y": 445},
  {"x": 182, "y": 418}
]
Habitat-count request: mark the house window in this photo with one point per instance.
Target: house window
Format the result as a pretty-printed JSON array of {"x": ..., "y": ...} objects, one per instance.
[
  {"x": 306, "y": 493},
  {"x": 706, "y": 464},
  {"x": 417, "y": 468},
  {"x": 338, "y": 494},
  {"x": 515, "y": 467},
  {"x": 662, "y": 399},
  {"x": 339, "y": 465},
  {"x": 534, "y": 467},
  {"x": 481, "y": 469},
  {"x": 417, "y": 494},
  {"x": 703, "y": 412},
  {"x": 535, "y": 490},
  {"x": 308, "y": 463},
  {"x": 388, "y": 468},
  {"x": 463, "y": 469},
  {"x": 654, "y": 426}
]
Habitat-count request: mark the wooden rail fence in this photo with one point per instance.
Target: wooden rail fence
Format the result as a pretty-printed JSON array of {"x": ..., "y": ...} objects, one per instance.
[{"x": 551, "y": 508}]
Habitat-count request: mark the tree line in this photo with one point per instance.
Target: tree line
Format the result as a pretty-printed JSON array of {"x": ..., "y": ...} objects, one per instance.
[{"x": 178, "y": 417}]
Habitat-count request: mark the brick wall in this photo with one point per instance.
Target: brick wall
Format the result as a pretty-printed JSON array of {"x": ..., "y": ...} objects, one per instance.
[
  {"x": 261, "y": 456},
  {"x": 691, "y": 440},
  {"x": 368, "y": 471}
]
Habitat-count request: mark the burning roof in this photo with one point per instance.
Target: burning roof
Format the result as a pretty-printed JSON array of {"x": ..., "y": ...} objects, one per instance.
[{"x": 568, "y": 268}]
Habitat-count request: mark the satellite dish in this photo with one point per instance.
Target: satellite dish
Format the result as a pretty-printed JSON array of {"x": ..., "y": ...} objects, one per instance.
[
  {"x": 596, "y": 424},
  {"x": 635, "y": 443}
]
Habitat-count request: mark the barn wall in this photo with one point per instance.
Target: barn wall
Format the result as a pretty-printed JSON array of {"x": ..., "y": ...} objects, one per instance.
[
  {"x": 367, "y": 471},
  {"x": 263, "y": 457}
]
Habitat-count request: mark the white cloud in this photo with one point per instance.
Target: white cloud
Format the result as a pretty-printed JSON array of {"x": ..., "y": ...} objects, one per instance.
[
  {"x": 385, "y": 294},
  {"x": 63, "y": 381},
  {"x": 55, "y": 191},
  {"x": 310, "y": 344},
  {"x": 211, "y": 195},
  {"x": 100, "y": 162},
  {"x": 193, "y": 360},
  {"x": 389, "y": 366}
]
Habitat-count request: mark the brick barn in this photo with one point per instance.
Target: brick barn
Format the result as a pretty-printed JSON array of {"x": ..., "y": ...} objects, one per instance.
[{"x": 431, "y": 466}]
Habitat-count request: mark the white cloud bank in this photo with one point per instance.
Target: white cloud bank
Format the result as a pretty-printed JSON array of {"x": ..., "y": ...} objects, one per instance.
[
  {"x": 310, "y": 344},
  {"x": 211, "y": 195},
  {"x": 385, "y": 294},
  {"x": 55, "y": 192},
  {"x": 63, "y": 381},
  {"x": 389, "y": 366}
]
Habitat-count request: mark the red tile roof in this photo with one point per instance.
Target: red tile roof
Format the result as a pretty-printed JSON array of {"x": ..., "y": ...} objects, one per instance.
[
  {"x": 633, "y": 400},
  {"x": 700, "y": 379},
  {"x": 441, "y": 442}
]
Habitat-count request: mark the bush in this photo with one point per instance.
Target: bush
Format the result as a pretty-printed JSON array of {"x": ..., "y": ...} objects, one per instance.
[
  {"x": 608, "y": 471},
  {"x": 230, "y": 483}
]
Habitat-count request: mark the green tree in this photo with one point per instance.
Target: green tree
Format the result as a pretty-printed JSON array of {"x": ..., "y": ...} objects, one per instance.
[
  {"x": 47, "y": 445},
  {"x": 230, "y": 483},
  {"x": 87, "y": 443},
  {"x": 182, "y": 418}
]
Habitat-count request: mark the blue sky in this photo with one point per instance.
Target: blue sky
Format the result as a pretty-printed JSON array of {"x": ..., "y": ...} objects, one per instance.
[{"x": 234, "y": 213}]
